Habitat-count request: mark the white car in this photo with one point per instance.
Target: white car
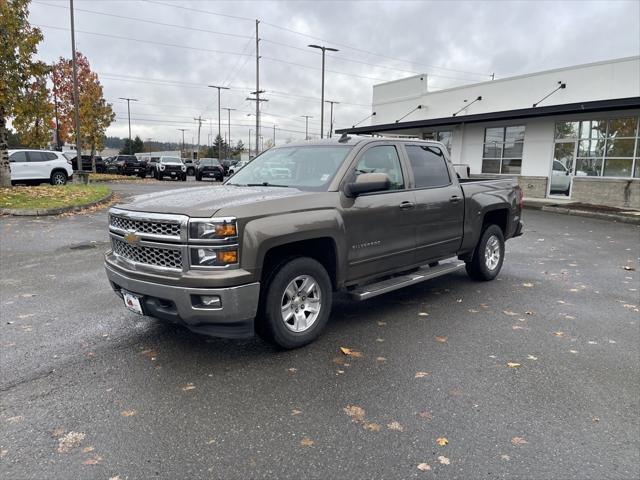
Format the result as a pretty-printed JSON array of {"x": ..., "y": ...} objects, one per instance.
[
  {"x": 560, "y": 178},
  {"x": 37, "y": 166},
  {"x": 234, "y": 168}
]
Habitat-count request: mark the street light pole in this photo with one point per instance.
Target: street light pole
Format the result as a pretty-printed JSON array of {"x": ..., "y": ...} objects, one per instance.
[
  {"x": 129, "y": 116},
  {"x": 182, "y": 130},
  {"x": 76, "y": 97},
  {"x": 331, "y": 117},
  {"x": 229, "y": 110},
  {"x": 219, "y": 135},
  {"x": 274, "y": 134},
  {"x": 249, "y": 144},
  {"x": 324, "y": 49},
  {"x": 306, "y": 125}
]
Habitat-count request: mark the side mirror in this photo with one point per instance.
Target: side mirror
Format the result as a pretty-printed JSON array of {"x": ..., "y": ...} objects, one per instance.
[{"x": 368, "y": 182}]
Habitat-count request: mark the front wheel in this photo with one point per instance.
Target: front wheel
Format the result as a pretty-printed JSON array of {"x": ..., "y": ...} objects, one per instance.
[
  {"x": 58, "y": 178},
  {"x": 488, "y": 256},
  {"x": 296, "y": 303}
]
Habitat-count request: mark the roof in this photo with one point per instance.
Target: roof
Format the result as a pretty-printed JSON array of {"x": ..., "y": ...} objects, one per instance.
[{"x": 564, "y": 109}]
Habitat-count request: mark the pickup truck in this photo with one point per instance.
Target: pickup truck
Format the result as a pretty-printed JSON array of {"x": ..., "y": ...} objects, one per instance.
[{"x": 359, "y": 215}]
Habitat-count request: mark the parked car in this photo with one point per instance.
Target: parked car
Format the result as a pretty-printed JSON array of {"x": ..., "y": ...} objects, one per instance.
[
  {"x": 37, "y": 166},
  {"x": 359, "y": 215},
  {"x": 234, "y": 168},
  {"x": 560, "y": 178},
  {"x": 227, "y": 163},
  {"x": 130, "y": 165},
  {"x": 191, "y": 166},
  {"x": 172, "y": 167},
  {"x": 110, "y": 165},
  {"x": 86, "y": 162},
  {"x": 210, "y": 168}
]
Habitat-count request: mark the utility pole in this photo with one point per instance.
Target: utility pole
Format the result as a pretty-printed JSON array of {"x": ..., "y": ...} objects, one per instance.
[
  {"x": 129, "y": 116},
  {"x": 306, "y": 125},
  {"x": 249, "y": 144},
  {"x": 182, "y": 152},
  {"x": 199, "y": 120},
  {"x": 274, "y": 134},
  {"x": 331, "y": 117},
  {"x": 229, "y": 110},
  {"x": 324, "y": 49},
  {"x": 257, "y": 92},
  {"x": 76, "y": 97},
  {"x": 219, "y": 135}
]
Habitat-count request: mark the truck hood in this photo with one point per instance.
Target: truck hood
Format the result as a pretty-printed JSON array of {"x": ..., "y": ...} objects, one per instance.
[{"x": 205, "y": 201}]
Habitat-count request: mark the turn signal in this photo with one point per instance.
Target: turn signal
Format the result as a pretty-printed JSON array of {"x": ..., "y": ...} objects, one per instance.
[
  {"x": 226, "y": 229},
  {"x": 228, "y": 256}
]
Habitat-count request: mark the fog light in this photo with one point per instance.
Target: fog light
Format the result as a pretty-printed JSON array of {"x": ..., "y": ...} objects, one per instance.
[{"x": 207, "y": 301}]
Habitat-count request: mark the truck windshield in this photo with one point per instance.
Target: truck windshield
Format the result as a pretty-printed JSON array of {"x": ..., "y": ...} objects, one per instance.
[{"x": 305, "y": 167}]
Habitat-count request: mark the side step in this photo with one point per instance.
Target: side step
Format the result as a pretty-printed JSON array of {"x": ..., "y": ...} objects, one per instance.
[{"x": 371, "y": 290}]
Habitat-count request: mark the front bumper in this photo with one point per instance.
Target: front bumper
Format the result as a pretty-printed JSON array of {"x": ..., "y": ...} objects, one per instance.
[
  {"x": 233, "y": 319},
  {"x": 134, "y": 170}
]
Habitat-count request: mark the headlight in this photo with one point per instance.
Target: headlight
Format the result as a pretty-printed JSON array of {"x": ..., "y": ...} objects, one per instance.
[
  {"x": 214, "y": 229},
  {"x": 161, "y": 167},
  {"x": 213, "y": 257},
  {"x": 184, "y": 168}
]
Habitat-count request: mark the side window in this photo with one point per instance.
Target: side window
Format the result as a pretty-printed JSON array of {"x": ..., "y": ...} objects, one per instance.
[
  {"x": 18, "y": 157},
  {"x": 50, "y": 155},
  {"x": 429, "y": 166},
  {"x": 37, "y": 157},
  {"x": 382, "y": 159},
  {"x": 558, "y": 167}
]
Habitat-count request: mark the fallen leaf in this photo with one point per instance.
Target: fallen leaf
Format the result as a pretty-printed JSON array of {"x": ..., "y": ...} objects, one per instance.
[
  {"x": 629, "y": 269},
  {"x": 513, "y": 365},
  {"x": 595, "y": 419},
  {"x": 374, "y": 427},
  {"x": 128, "y": 413},
  {"x": 95, "y": 460},
  {"x": 423, "y": 314},
  {"x": 424, "y": 467},
  {"x": 518, "y": 441},
  {"x": 88, "y": 449},
  {"x": 381, "y": 324},
  {"x": 307, "y": 442},
  {"x": 442, "y": 441},
  {"x": 211, "y": 441},
  {"x": 295, "y": 412},
  {"x": 517, "y": 327},
  {"x": 117, "y": 477},
  {"x": 292, "y": 370},
  {"x": 573, "y": 351},
  {"x": 591, "y": 342},
  {"x": 380, "y": 340},
  {"x": 505, "y": 457},
  {"x": 355, "y": 412},
  {"x": 528, "y": 285},
  {"x": 69, "y": 441},
  {"x": 3, "y": 452},
  {"x": 573, "y": 290},
  {"x": 422, "y": 374},
  {"x": 57, "y": 432},
  {"x": 426, "y": 415},
  {"x": 395, "y": 426},
  {"x": 338, "y": 360},
  {"x": 381, "y": 359},
  {"x": 531, "y": 357},
  {"x": 441, "y": 338},
  {"x": 528, "y": 312},
  {"x": 473, "y": 310},
  {"x": 510, "y": 313},
  {"x": 350, "y": 352},
  {"x": 559, "y": 334},
  {"x": 149, "y": 353},
  {"x": 188, "y": 386},
  {"x": 444, "y": 460},
  {"x": 16, "y": 419}
]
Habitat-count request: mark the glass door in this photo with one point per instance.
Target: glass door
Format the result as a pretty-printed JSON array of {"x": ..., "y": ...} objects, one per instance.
[{"x": 563, "y": 168}]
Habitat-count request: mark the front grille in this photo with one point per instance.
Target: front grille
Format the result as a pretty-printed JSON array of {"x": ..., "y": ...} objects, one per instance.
[
  {"x": 140, "y": 226},
  {"x": 173, "y": 168},
  {"x": 158, "y": 257}
]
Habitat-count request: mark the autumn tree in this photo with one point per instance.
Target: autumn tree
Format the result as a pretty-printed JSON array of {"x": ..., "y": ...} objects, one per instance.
[
  {"x": 33, "y": 115},
  {"x": 18, "y": 69},
  {"x": 95, "y": 113}
]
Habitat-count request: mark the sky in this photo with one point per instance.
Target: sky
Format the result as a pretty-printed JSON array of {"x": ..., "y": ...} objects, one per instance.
[{"x": 165, "y": 53}]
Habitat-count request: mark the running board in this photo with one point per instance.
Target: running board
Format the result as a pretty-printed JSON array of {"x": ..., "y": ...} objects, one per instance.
[{"x": 389, "y": 285}]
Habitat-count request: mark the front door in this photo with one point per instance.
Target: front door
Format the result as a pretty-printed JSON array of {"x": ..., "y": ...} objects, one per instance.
[
  {"x": 563, "y": 168},
  {"x": 19, "y": 166},
  {"x": 380, "y": 226}
]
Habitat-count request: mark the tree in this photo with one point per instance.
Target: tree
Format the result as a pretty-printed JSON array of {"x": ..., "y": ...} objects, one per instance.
[
  {"x": 18, "y": 69},
  {"x": 219, "y": 145},
  {"x": 34, "y": 116},
  {"x": 138, "y": 145},
  {"x": 238, "y": 149},
  {"x": 95, "y": 113}
]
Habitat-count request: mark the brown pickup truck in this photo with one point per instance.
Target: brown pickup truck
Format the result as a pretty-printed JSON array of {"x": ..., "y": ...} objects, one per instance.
[{"x": 266, "y": 251}]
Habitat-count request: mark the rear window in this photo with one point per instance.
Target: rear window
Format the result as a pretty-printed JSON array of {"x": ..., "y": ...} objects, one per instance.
[
  {"x": 128, "y": 158},
  {"x": 429, "y": 166}
]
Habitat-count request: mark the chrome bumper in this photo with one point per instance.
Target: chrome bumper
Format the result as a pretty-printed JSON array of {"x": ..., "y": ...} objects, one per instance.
[{"x": 233, "y": 318}]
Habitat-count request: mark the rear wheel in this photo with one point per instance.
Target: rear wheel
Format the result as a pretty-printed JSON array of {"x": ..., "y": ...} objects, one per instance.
[
  {"x": 58, "y": 178},
  {"x": 142, "y": 175},
  {"x": 296, "y": 303},
  {"x": 198, "y": 178},
  {"x": 488, "y": 256}
]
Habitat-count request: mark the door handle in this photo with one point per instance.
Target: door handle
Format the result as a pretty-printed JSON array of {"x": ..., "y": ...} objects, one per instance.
[
  {"x": 407, "y": 205},
  {"x": 454, "y": 199}
]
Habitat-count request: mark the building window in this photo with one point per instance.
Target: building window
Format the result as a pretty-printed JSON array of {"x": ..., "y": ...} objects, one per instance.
[
  {"x": 443, "y": 137},
  {"x": 602, "y": 147},
  {"x": 502, "y": 150}
]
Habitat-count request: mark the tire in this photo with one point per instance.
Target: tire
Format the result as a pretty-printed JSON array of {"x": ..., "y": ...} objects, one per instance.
[
  {"x": 290, "y": 329},
  {"x": 191, "y": 171},
  {"x": 159, "y": 176},
  {"x": 198, "y": 178},
  {"x": 184, "y": 178},
  {"x": 58, "y": 178},
  {"x": 143, "y": 175},
  {"x": 485, "y": 266}
]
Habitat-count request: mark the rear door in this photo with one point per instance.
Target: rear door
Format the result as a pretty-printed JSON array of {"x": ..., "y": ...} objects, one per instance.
[
  {"x": 379, "y": 226},
  {"x": 439, "y": 212},
  {"x": 19, "y": 165}
]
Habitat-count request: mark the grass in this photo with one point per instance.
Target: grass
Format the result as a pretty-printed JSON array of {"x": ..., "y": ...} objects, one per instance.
[
  {"x": 111, "y": 177},
  {"x": 50, "y": 196}
]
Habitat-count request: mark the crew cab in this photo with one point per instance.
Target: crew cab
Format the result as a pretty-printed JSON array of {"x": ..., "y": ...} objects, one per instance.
[
  {"x": 131, "y": 165},
  {"x": 359, "y": 215},
  {"x": 37, "y": 166},
  {"x": 210, "y": 168}
]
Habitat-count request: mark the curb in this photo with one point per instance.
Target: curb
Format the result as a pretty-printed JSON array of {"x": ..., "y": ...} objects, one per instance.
[
  {"x": 27, "y": 212},
  {"x": 632, "y": 220}
]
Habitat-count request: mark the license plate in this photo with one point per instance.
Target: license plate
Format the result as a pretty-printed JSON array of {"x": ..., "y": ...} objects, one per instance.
[
  {"x": 132, "y": 302},
  {"x": 136, "y": 169},
  {"x": 173, "y": 173}
]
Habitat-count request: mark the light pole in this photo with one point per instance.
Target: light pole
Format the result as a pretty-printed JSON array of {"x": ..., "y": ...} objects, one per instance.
[
  {"x": 76, "y": 97},
  {"x": 331, "y": 102},
  {"x": 306, "y": 125},
  {"x": 229, "y": 110},
  {"x": 182, "y": 130},
  {"x": 129, "y": 100},
  {"x": 249, "y": 144},
  {"x": 274, "y": 134},
  {"x": 219, "y": 135},
  {"x": 324, "y": 49}
]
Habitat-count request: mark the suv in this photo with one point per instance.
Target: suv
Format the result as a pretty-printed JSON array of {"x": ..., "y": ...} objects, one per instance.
[
  {"x": 234, "y": 168},
  {"x": 160, "y": 167},
  {"x": 359, "y": 215},
  {"x": 37, "y": 166},
  {"x": 210, "y": 168},
  {"x": 191, "y": 166},
  {"x": 130, "y": 165},
  {"x": 86, "y": 163}
]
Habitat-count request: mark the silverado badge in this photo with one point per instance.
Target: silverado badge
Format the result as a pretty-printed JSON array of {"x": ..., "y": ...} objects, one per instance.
[{"x": 132, "y": 238}]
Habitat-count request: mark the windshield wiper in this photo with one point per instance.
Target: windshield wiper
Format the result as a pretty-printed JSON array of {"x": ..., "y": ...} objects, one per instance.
[{"x": 266, "y": 184}]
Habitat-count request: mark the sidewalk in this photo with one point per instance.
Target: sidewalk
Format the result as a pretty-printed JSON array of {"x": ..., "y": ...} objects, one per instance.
[{"x": 568, "y": 207}]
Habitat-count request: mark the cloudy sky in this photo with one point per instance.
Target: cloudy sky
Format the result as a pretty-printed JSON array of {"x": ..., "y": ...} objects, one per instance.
[{"x": 166, "y": 52}]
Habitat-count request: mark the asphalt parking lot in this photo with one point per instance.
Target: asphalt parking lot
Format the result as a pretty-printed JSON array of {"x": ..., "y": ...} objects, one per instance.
[{"x": 531, "y": 376}]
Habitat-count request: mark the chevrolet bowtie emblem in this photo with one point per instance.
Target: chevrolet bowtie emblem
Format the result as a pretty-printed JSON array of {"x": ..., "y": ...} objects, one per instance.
[{"x": 132, "y": 238}]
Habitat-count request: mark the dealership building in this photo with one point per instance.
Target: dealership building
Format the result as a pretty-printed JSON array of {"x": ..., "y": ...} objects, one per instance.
[{"x": 566, "y": 134}]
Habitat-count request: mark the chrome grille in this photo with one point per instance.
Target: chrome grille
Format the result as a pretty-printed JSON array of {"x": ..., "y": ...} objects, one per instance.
[
  {"x": 140, "y": 226},
  {"x": 158, "y": 257}
]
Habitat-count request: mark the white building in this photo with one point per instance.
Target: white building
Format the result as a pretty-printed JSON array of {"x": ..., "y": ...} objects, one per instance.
[{"x": 577, "y": 126}]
